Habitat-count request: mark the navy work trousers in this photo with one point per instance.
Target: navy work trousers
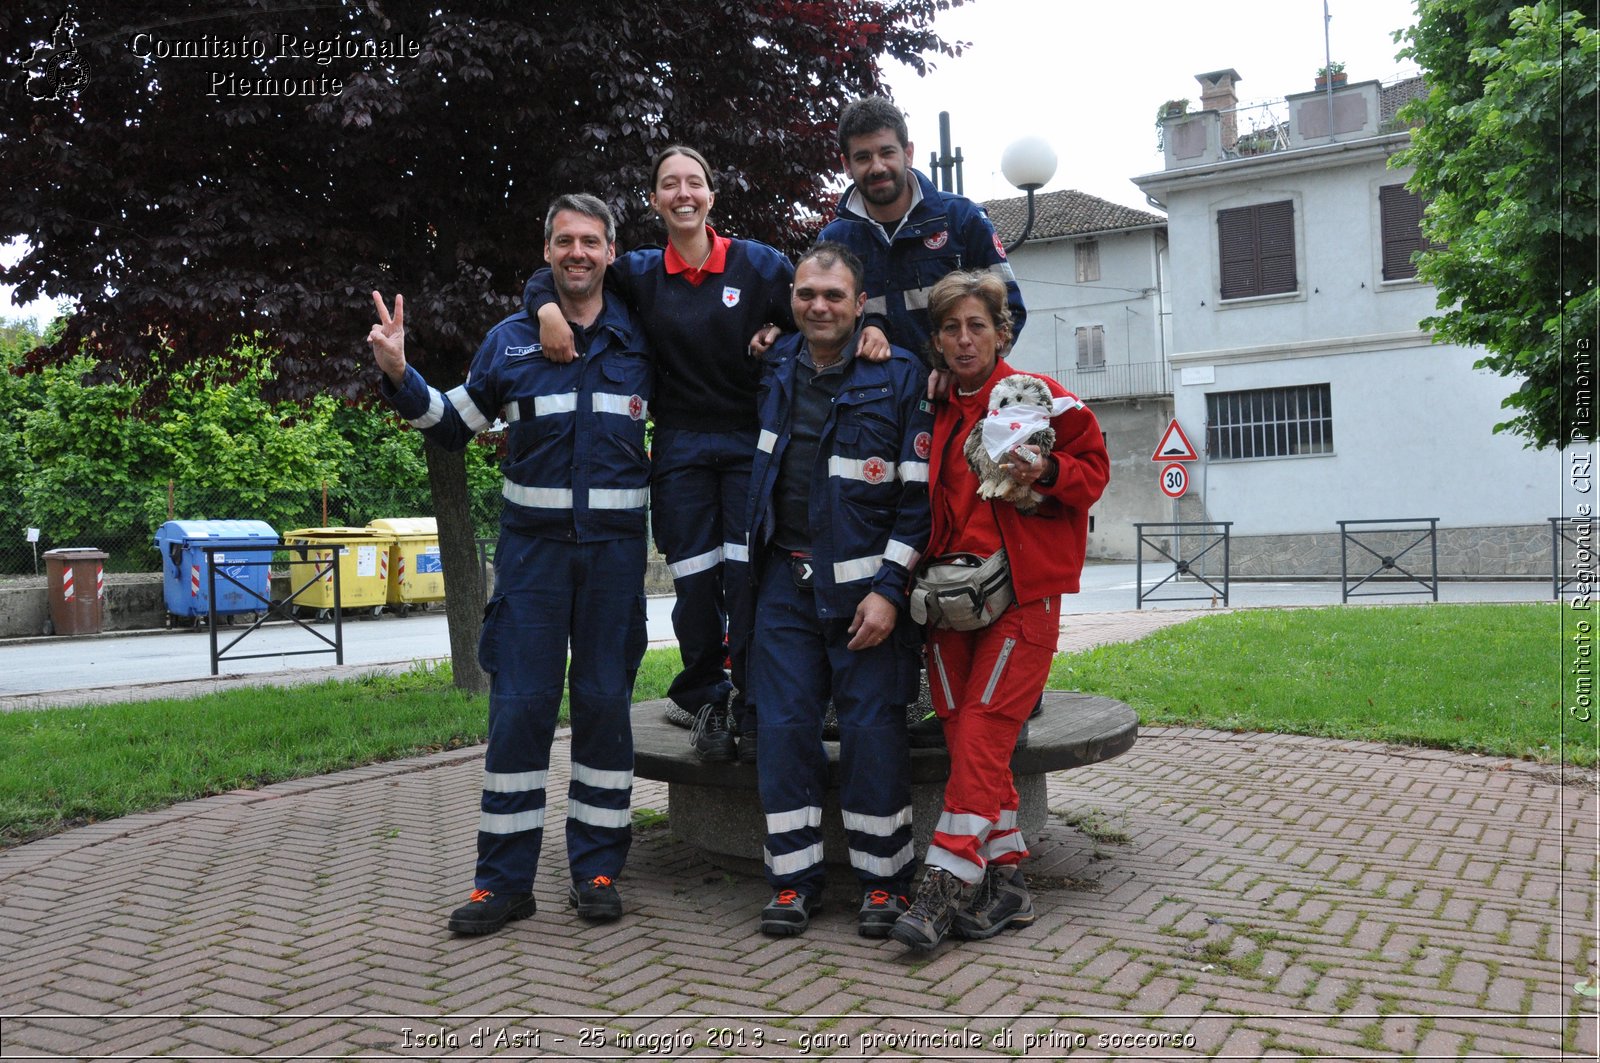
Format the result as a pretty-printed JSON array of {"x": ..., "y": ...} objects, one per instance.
[
  {"x": 699, "y": 491},
  {"x": 797, "y": 662},
  {"x": 550, "y": 594}
]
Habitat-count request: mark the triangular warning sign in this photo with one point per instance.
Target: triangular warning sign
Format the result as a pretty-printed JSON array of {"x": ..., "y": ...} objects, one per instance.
[{"x": 1174, "y": 445}]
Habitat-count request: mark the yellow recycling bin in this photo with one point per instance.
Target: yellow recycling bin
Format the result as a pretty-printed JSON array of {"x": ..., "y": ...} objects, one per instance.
[
  {"x": 415, "y": 574},
  {"x": 363, "y": 555}
]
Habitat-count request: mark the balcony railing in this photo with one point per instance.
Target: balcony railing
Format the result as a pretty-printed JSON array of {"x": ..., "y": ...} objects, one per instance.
[{"x": 1126, "y": 381}]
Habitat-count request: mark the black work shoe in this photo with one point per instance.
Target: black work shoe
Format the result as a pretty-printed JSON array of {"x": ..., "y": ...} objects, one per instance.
[
  {"x": 928, "y": 920},
  {"x": 747, "y": 747},
  {"x": 1002, "y": 901},
  {"x": 710, "y": 736},
  {"x": 789, "y": 912},
  {"x": 926, "y": 733},
  {"x": 879, "y": 910},
  {"x": 596, "y": 899},
  {"x": 486, "y": 912}
]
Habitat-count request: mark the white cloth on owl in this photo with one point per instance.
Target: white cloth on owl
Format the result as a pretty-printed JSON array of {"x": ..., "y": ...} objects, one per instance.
[{"x": 1011, "y": 426}]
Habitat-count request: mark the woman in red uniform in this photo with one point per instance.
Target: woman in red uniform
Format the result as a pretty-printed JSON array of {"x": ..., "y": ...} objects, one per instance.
[{"x": 985, "y": 682}]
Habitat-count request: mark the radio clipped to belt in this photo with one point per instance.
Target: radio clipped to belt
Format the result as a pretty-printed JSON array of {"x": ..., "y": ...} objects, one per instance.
[{"x": 962, "y": 592}]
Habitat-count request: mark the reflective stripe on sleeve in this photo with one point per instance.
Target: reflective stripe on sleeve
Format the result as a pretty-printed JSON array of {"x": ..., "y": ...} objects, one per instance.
[
  {"x": 511, "y": 413},
  {"x": 690, "y": 566},
  {"x": 856, "y": 568},
  {"x": 913, "y": 472},
  {"x": 1003, "y": 271},
  {"x": 766, "y": 441},
  {"x": 877, "y": 304},
  {"x": 735, "y": 552},
  {"x": 470, "y": 414},
  {"x": 916, "y": 298},
  {"x": 434, "y": 413},
  {"x": 901, "y": 554}
]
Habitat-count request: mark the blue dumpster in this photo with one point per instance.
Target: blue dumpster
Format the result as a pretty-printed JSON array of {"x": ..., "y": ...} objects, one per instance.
[{"x": 184, "y": 583}]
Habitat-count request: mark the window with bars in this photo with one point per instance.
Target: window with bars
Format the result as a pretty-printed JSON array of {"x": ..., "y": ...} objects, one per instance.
[
  {"x": 1400, "y": 219},
  {"x": 1087, "y": 254},
  {"x": 1091, "y": 346},
  {"x": 1256, "y": 248},
  {"x": 1269, "y": 422}
]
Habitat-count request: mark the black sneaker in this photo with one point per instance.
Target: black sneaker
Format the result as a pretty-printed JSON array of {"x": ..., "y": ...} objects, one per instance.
[
  {"x": 789, "y": 912},
  {"x": 486, "y": 912},
  {"x": 926, "y": 732},
  {"x": 596, "y": 899},
  {"x": 747, "y": 747},
  {"x": 879, "y": 910},
  {"x": 1002, "y": 901},
  {"x": 928, "y": 920},
  {"x": 710, "y": 736}
]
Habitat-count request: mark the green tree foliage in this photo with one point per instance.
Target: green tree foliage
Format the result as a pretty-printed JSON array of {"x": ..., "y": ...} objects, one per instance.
[
  {"x": 1504, "y": 148},
  {"x": 88, "y": 472}
]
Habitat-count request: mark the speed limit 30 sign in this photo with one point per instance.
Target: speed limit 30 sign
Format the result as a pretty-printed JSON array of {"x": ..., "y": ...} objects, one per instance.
[{"x": 1174, "y": 480}]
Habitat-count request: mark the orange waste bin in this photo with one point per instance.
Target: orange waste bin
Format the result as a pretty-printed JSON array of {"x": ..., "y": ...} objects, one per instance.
[{"x": 76, "y": 578}]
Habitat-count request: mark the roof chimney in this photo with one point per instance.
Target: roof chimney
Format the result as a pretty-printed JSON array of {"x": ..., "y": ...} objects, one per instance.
[{"x": 1216, "y": 94}]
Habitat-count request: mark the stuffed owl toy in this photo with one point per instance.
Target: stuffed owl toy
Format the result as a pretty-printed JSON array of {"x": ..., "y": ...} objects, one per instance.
[{"x": 1020, "y": 408}]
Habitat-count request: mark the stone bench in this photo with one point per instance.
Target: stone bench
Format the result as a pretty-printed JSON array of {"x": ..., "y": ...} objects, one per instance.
[{"x": 716, "y": 807}]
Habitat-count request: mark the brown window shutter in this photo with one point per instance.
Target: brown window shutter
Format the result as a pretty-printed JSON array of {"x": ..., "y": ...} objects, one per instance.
[
  {"x": 1256, "y": 249},
  {"x": 1400, "y": 217}
]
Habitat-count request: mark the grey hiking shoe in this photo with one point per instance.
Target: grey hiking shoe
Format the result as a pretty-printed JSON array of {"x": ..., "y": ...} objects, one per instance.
[
  {"x": 1002, "y": 901},
  {"x": 941, "y": 896}
]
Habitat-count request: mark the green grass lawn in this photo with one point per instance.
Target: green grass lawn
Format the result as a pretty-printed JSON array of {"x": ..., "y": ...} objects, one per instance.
[
  {"x": 1481, "y": 678},
  {"x": 1477, "y": 678}
]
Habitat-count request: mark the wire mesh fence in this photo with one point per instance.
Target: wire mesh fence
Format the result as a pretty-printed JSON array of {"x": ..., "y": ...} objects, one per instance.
[{"x": 122, "y": 521}]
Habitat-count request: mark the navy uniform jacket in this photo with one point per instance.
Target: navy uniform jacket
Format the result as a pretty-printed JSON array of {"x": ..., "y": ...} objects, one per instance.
[
  {"x": 943, "y": 232},
  {"x": 869, "y": 489},
  {"x": 575, "y": 466}
]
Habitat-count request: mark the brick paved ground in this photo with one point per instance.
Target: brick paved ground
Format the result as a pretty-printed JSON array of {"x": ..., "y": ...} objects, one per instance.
[{"x": 1243, "y": 896}]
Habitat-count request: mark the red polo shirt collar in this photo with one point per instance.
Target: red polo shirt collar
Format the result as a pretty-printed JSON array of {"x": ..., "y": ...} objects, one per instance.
[{"x": 715, "y": 264}]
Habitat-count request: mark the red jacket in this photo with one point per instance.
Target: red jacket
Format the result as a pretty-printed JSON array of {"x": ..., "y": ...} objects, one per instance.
[{"x": 1046, "y": 547}]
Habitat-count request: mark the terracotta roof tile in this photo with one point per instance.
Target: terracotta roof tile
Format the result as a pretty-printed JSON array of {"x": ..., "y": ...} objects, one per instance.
[{"x": 1065, "y": 213}]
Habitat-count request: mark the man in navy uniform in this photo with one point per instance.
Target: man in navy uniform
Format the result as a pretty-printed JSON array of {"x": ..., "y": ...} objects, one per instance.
[
  {"x": 569, "y": 567},
  {"x": 838, "y": 517}
]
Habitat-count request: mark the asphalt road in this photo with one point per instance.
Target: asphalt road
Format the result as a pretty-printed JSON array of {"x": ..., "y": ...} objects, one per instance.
[{"x": 31, "y": 669}]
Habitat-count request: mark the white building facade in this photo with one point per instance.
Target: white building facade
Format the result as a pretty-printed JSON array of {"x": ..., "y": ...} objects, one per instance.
[{"x": 1299, "y": 369}]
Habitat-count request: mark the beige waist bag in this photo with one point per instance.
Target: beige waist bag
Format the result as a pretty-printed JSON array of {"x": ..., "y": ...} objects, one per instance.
[{"x": 962, "y": 592}]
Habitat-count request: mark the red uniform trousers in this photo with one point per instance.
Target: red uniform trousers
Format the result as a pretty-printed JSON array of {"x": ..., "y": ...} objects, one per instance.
[{"x": 985, "y": 683}]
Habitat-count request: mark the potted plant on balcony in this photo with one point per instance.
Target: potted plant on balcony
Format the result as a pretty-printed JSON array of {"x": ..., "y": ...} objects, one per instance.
[
  {"x": 1170, "y": 109},
  {"x": 1332, "y": 72}
]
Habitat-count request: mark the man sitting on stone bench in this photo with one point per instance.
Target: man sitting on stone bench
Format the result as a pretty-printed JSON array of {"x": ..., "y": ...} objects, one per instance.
[{"x": 838, "y": 518}]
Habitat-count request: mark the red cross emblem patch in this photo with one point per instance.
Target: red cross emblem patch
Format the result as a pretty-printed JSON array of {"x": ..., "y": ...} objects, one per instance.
[
  {"x": 730, "y": 297},
  {"x": 874, "y": 470},
  {"x": 923, "y": 445},
  {"x": 936, "y": 241},
  {"x": 635, "y": 407}
]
